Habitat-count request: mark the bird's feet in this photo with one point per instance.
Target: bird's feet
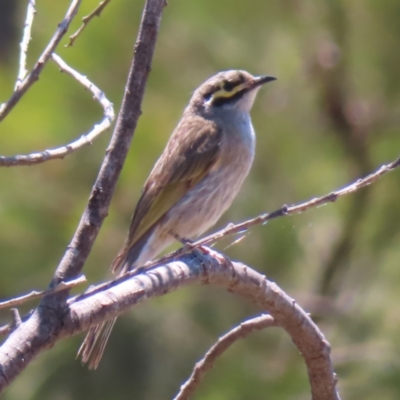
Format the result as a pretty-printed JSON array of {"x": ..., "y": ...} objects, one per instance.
[
  {"x": 223, "y": 260},
  {"x": 180, "y": 239},
  {"x": 189, "y": 244}
]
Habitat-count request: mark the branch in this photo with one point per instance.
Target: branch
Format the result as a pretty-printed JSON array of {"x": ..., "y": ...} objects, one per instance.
[
  {"x": 33, "y": 76},
  {"x": 26, "y": 37},
  {"x": 85, "y": 20},
  {"x": 223, "y": 344},
  {"x": 38, "y": 334},
  {"x": 35, "y": 294},
  {"x": 84, "y": 140},
  {"x": 100, "y": 197},
  {"x": 46, "y": 323},
  {"x": 284, "y": 211},
  {"x": 301, "y": 207}
]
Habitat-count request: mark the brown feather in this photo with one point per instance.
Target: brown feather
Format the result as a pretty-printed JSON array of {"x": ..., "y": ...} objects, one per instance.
[{"x": 188, "y": 157}]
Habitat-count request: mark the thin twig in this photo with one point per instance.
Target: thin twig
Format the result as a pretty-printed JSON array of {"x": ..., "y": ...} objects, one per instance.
[
  {"x": 103, "y": 188},
  {"x": 284, "y": 211},
  {"x": 85, "y": 20},
  {"x": 33, "y": 76},
  {"x": 26, "y": 37},
  {"x": 223, "y": 344},
  {"x": 38, "y": 294},
  {"x": 16, "y": 318},
  {"x": 84, "y": 140},
  {"x": 6, "y": 329},
  {"x": 47, "y": 323}
]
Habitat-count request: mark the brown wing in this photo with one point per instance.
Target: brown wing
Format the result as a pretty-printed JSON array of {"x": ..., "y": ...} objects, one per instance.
[{"x": 190, "y": 153}]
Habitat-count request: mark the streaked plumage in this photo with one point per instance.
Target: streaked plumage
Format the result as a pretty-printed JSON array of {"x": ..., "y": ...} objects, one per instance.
[{"x": 194, "y": 181}]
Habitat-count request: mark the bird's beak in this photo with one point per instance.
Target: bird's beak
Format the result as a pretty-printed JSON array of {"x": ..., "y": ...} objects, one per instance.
[{"x": 260, "y": 80}]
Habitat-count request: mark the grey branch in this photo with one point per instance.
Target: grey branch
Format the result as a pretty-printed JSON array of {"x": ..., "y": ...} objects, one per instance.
[
  {"x": 86, "y": 19},
  {"x": 38, "y": 294},
  {"x": 26, "y": 37},
  {"x": 222, "y": 345},
  {"x": 33, "y": 76},
  {"x": 297, "y": 208},
  {"x": 38, "y": 333},
  {"x": 84, "y": 140},
  {"x": 53, "y": 308}
]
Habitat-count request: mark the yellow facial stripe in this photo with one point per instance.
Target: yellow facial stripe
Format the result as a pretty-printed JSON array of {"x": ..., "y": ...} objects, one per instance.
[{"x": 225, "y": 94}]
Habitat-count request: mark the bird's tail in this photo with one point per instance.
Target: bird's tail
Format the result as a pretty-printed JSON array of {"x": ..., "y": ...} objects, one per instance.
[
  {"x": 119, "y": 261},
  {"x": 92, "y": 348}
]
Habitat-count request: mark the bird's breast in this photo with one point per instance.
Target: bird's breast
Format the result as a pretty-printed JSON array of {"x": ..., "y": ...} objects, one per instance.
[
  {"x": 237, "y": 147},
  {"x": 203, "y": 205}
]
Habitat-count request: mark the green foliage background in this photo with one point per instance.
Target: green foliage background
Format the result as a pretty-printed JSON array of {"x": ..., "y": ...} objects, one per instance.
[{"x": 332, "y": 116}]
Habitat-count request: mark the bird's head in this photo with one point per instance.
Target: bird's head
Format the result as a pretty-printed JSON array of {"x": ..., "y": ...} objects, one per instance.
[{"x": 228, "y": 90}]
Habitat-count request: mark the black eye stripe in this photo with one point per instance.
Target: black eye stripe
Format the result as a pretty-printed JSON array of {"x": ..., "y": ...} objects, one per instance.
[
  {"x": 207, "y": 96},
  {"x": 228, "y": 86},
  {"x": 219, "y": 101}
]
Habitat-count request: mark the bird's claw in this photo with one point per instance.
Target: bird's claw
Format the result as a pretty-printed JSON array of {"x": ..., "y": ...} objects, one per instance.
[{"x": 223, "y": 260}]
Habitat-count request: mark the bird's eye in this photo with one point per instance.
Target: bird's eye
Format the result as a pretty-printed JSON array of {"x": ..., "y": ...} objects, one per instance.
[
  {"x": 208, "y": 95},
  {"x": 228, "y": 86}
]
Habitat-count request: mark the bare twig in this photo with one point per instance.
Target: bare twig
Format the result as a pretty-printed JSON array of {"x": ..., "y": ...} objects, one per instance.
[
  {"x": 5, "y": 329},
  {"x": 8, "y": 328},
  {"x": 36, "y": 295},
  {"x": 26, "y": 37},
  {"x": 284, "y": 211},
  {"x": 89, "y": 310},
  {"x": 33, "y": 76},
  {"x": 47, "y": 323},
  {"x": 223, "y": 343},
  {"x": 86, "y": 19},
  {"x": 16, "y": 319},
  {"x": 84, "y": 140},
  {"x": 100, "y": 197},
  {"x": 14, "y": 324}
]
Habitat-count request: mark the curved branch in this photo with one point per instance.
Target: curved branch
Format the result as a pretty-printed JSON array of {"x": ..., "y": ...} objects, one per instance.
[
  {"x": 87, "y": 310},
  {"x": 46, "y": 323},
  {"x": 284, "y": 211},
  {"x": 84, "y": 140},
  {"x": 33, "y": 76},
  {"x": 223, "y": 344},
  {"x": 100, "y": 197}
]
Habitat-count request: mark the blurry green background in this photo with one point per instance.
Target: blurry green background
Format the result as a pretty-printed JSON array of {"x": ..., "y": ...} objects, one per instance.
[{"x": 332, "y": 116}]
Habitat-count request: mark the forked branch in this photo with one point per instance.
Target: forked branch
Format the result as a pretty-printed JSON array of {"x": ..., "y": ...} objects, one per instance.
[
  {"x": 90, "y": 309},
  {"x": 33, "y": 76},
  {"x": 84, "y": 140}
]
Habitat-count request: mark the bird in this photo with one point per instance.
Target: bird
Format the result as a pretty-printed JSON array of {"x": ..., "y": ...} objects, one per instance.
[{"x": 195, "y": 180}]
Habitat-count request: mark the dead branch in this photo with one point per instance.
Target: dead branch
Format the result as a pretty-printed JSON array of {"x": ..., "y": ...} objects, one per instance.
[
  {"x": 26, "y": 37},
  {"x": 85, "y": 21},
  {"x": 284, "y": 211},
  {"x": 84, "y": 140},
  {"x": 52, "y": 309},
  {"x": 222, "y": 345},
  {"x": 33, "y": 76},
  {"x": 38, "y": 334},
  {"x": 39, "y": 294}
]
